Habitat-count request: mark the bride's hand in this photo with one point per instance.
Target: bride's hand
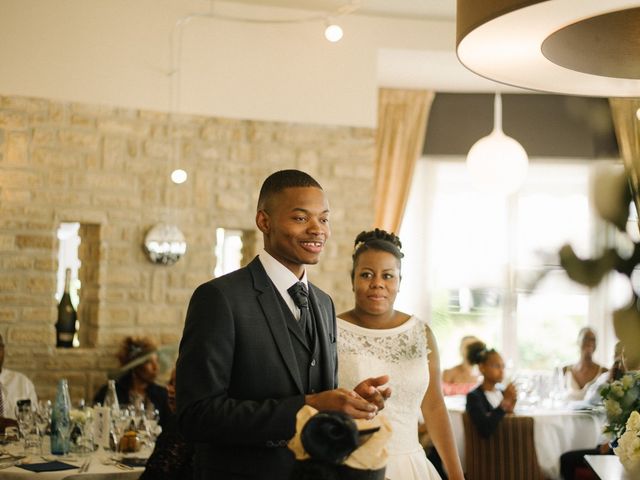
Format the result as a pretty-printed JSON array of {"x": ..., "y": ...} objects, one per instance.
[
  {"x": 342, "y": 400},
  {"x": 374, "y": 390}
]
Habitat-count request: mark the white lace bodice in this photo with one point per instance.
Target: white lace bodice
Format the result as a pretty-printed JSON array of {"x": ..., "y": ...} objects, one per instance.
[{"x": 399, "y": 352}]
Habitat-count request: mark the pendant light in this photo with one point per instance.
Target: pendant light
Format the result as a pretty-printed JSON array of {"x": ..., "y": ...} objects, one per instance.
[{"x": 497, "y": 163}]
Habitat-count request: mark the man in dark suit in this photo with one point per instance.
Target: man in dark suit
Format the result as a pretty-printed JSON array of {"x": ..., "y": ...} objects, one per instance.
[{"x": 251, "y": 357}]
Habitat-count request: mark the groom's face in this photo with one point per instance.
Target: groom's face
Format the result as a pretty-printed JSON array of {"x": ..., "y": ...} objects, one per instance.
[{"x": 295, "y": 224}]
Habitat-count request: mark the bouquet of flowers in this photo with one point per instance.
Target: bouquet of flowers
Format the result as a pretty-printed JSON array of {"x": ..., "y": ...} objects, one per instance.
[
  {"x": 628, "y": 449},
  {"x": 621, "y": 398}
]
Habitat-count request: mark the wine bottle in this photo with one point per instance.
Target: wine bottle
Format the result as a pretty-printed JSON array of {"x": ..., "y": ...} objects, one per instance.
[
  {"x": 60, "y": 420},
  {"x": 67, "y": 316}
]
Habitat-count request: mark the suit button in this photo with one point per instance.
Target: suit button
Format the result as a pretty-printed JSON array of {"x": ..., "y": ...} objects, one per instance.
[
  {"x": 313, "y": 362},
  {"x": 269, "y": 443},
  {"x": 282, "y": 443}
]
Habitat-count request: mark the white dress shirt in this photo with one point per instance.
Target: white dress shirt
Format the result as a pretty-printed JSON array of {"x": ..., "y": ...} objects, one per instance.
[
  {"x": 15, "y": 386},
  {"x": 283, "y": 279},
  {"x": 494, "y": 397}
]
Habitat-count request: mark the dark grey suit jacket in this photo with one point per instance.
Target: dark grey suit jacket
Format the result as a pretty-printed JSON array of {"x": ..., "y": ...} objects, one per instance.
[{"x": 238, "y": 384}]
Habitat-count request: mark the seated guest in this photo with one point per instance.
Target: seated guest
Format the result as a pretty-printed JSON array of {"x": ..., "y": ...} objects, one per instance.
[
  {"x": 459, "y": 380},
  {"x": 579, "y": 376},
  {"x": 573, "y": 461},
  {"x": 14, "y": 386},
  {"x": 617, "y": 370},
  {"x": 486, "y": 404},
  {"x": 172, "y": 456},
  {"x": 135, "y": 381}
]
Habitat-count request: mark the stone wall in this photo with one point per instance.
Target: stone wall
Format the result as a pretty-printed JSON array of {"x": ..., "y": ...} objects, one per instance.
[{"x": 108, "y": 168}]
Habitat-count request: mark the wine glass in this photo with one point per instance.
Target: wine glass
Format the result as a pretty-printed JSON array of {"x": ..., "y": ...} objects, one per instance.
[
  {"x": 152, "y": 419},
  {"x": 64, "y": 430},
  {"x": 43, "y": 416},
  {"x": 558, "y": 392},
  {"x": 24, "y": 416}
]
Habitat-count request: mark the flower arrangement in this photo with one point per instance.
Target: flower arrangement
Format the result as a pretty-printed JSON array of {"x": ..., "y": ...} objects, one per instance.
[
  {"x": 628, "y": 449},
  {"x": 621, "y": 398},
  {"x": 81, "y": 416}
]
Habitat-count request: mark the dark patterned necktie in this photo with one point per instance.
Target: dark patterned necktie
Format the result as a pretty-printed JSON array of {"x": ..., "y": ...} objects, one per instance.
[{"x": 300, "y": 295}]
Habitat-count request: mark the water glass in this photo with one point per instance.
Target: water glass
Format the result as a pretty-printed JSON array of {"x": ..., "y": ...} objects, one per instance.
[
  {"x": 32, "y": 442},
  {"x": 25, "y": 416}
]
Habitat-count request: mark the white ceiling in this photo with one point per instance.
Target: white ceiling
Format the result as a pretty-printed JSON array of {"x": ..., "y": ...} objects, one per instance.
[
  {"x": 405, "y": 68},
  {"x": 431, "y": 9}
]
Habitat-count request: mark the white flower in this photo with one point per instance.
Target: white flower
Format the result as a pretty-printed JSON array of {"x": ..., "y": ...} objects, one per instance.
[
  {"x": 612, "y": 407},
  {"x": 80, "y": 416},
  {"x": 633, "y": 422},
  {"x": 627, "y": 381},
  {"x": 628, "y": 449},
  {"x": 616, "y": 389}
]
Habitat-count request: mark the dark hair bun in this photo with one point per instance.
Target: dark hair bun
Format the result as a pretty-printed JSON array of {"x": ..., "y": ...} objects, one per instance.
[{"x": 476, "y": 352}]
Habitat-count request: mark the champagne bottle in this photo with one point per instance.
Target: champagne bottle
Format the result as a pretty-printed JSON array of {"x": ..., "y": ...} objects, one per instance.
[
  {"x": 60, "y": 420},
  {"x": 67, "y": 316}
]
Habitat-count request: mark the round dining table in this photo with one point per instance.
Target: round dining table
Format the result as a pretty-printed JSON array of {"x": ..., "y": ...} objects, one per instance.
[
  {"x": 99, "y": 465},
  {"x": 555, "y": 430}
]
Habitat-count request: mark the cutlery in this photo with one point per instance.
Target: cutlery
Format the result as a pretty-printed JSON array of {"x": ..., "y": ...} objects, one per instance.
[
  {"x": 123, "y": 466},
  {"x": 85, "y": 466},
  {"x": 12, "y": 463}
]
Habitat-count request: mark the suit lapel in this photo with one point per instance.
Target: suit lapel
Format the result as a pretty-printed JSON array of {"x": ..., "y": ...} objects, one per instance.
[
  {"x": 323, "y": 331},
  {"x": 275, "y": 319}
]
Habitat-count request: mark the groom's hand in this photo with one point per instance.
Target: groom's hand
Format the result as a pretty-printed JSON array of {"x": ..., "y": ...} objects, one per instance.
[
  {"x": 342, "y": 400},
  {"x": 374, "y": 390}
]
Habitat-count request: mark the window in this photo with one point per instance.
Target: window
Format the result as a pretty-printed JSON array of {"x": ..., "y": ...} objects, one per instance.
[
  {"x": 79, "y": 250},
  {"x": 68, "y": 243},
  {"x": 472, "y": 260},
  {"x": 228, "y": 251}
]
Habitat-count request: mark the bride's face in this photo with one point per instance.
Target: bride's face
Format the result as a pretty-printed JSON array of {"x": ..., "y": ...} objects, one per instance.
[{"x": 376, "y": 281}]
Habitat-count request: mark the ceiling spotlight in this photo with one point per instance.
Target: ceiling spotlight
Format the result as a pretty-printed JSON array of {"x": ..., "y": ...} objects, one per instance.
[
  {"x": 178, "y": 176},
  {"x": 333, "y": 32}
]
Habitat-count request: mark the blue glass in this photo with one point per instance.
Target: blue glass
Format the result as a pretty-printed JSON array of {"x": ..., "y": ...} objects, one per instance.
[{"x": 60, "y": 420}]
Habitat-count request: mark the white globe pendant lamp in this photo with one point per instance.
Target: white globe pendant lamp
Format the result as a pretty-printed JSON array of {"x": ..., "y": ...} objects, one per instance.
[{"x": 497, "y": 163}]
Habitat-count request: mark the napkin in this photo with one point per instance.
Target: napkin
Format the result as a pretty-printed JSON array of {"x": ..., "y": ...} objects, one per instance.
[
  {"x": 371, "y": 455},
  {"x": 134, "y": 461},
  {"x": 47, "y": 466}
]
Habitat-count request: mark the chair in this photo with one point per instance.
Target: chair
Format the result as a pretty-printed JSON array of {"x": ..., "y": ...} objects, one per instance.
[{"x": 508, "y": 454}]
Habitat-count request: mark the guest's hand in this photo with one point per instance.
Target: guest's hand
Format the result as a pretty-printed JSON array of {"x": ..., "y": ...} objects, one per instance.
[
  {"x": 374, "y": 390},
  {"x": 7, "y": 422},
  {"x": 342, "y": 400},
  {"x": 510, "y": 397}
]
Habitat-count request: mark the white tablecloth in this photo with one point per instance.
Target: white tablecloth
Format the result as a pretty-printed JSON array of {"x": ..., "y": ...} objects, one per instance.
[
  {"x": 97, "y": 469},
  {"x": 554, "y": 431}
]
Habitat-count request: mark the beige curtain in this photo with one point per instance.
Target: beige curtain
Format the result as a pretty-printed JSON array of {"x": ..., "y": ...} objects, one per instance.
[
  {"x": 627, "y": 125},
  {"x": 402, "y": 125}
]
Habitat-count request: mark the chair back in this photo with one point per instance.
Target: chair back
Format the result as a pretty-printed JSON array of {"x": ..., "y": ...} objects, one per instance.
[{"x": 508, "y": 454}]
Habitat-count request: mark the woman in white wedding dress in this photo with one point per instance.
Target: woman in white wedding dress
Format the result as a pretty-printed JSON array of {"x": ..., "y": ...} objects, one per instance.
[{"x": 375, "y": 339}]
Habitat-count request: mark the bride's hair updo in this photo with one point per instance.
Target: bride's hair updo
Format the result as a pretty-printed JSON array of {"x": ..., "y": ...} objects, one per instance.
[{"x": 376, "y": 240}]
